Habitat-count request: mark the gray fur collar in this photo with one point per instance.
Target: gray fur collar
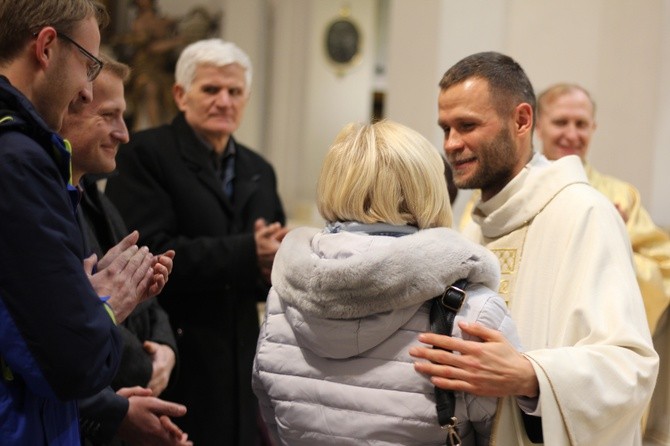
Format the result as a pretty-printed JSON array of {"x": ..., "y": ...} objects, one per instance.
[{"x": 394, "y": 273}]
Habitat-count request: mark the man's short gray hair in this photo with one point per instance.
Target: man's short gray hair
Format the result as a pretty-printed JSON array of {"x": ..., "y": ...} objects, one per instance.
[{"x": 215, "y": 52}]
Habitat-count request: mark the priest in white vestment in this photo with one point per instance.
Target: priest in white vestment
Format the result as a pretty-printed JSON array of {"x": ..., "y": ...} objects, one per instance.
[{"x": 567, "y": 274}]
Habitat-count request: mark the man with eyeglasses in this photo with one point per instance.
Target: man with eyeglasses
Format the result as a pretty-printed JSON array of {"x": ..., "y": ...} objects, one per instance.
[
  {"x": 94, "y": 66},
  {"x": 58, "y": 339}
]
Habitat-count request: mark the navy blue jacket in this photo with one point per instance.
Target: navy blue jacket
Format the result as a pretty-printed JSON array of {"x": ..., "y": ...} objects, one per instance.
[{"x": 57, "y": 342}]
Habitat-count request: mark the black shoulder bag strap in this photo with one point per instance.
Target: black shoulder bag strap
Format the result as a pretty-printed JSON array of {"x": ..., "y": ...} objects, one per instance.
[{"x": 442, "y": 315}]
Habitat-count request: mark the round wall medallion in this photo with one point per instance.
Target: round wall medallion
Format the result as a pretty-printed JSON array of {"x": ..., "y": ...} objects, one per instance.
[{"x": 342, "y": 42}]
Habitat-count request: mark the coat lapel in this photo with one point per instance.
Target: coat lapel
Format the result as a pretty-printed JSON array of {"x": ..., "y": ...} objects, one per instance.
[
  {"x": 196, "y": 157},
  {"x": 247, "y": 178}
]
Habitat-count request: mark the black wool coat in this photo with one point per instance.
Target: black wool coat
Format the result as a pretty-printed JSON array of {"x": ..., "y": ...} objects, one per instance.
[
  {"x": 167, "y": 189},
  {"x": 101, "y": 415}
]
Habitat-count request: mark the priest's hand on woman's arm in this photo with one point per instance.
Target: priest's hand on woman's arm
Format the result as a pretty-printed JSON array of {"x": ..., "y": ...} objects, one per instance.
[{"x": 490, "y": 368}]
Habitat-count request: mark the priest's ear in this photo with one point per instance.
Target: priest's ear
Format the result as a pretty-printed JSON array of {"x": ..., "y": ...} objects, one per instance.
[{"x": 523, "y": 119}]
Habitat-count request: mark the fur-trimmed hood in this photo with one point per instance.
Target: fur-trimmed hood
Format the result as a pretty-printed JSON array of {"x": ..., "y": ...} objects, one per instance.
[{"x": 351, "y": 275}]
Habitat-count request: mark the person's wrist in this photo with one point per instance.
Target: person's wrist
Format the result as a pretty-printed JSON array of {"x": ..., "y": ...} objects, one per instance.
[
  {"x": 108, "y": 308},
  {"x": 530, "y": 387}
]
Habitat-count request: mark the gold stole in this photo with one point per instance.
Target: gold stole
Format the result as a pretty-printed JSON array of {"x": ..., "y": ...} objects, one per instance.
[
  {"x": 508, "y": 428},
  {"x": 509, "y": 250}
]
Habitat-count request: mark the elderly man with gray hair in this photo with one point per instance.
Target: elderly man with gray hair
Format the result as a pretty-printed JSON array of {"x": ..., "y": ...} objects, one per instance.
[{"x": 191, "y": 187}]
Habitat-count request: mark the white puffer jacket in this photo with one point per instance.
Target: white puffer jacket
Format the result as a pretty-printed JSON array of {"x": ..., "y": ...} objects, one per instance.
[{"x": 332, "y": 364}]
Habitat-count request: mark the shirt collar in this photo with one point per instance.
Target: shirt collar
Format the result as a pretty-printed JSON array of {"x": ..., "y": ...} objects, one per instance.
[{"x": 217, "y": 158}]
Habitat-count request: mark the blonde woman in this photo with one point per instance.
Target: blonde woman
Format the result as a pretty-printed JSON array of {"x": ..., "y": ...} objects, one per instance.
[{"x": 348, "y": 301}]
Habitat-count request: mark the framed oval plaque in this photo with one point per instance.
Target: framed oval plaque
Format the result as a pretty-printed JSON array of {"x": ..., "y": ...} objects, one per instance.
[{"x": 342, "y": 43}]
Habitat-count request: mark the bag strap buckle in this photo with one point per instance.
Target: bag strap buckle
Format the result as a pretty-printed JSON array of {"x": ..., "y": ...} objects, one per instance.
[{"x": 453, "y": 297}]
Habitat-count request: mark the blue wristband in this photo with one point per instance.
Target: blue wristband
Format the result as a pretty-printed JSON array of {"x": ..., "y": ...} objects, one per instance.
[{"x": 108, "y": 308}]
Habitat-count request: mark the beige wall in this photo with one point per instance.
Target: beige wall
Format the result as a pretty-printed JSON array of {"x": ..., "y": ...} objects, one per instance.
[
  {"x": 308, "y": 101},
  {"x": 659, "y": 202}
]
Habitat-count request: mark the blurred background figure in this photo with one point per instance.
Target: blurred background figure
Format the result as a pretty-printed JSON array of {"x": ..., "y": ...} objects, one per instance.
[
  {"x": 148, "y": 48},
  {"x": 566, "y": 123}
]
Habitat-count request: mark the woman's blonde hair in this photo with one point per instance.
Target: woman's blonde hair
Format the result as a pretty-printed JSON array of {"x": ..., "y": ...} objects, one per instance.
[{"x": 383, "y": 173}]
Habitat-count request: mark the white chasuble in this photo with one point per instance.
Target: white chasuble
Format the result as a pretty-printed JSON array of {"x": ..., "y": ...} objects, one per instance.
[{"x": 569, "y": 280}]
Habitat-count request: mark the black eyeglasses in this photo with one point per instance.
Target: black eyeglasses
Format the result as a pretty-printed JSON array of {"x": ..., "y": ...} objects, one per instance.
[{"x": 96, "y": 64}]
